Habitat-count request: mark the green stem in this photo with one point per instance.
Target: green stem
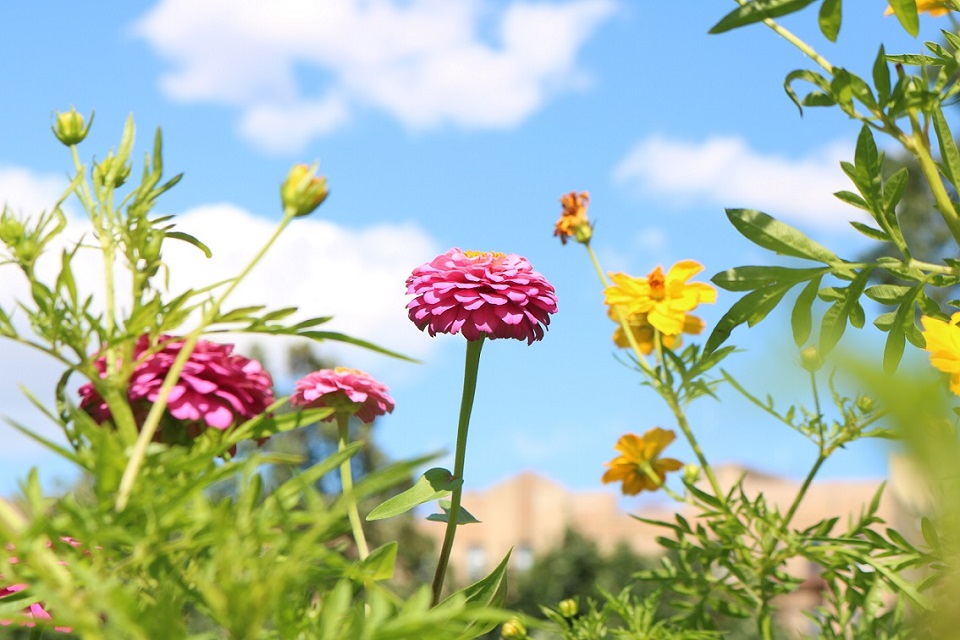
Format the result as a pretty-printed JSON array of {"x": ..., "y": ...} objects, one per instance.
[
  {"x": 916, "y": 144},
  {"x": 621, "y": 316},
  {"x": 795, "y": 41},
  {"x": 471, "y": 368},
  {"x": 346, "y": 479},
  {"x": 692, "y": 440},
  {"x": 821, "y": 456},
  {"x": 152, "y": 421}
]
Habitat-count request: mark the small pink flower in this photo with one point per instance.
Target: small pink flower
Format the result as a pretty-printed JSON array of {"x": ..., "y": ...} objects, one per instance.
[
  {"x": 217, "y": 387},
  {"x": 343, "y": 389},
  {"x": 480, "y": 294},
  {"x": 36, "y": 610}
]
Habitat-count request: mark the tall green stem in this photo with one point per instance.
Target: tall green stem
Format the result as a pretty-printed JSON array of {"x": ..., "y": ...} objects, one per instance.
[
  {"x": 346, "y": 479},
  {"x": 471, "y": 368}
]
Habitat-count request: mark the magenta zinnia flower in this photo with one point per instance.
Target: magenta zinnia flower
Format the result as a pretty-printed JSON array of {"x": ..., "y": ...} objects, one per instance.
[
  {"x": 217, "y": 387},
  {"x": 491, "y": 295},
  {"x": 343, "y": 389},
  {"x": 37, "y": 611}
]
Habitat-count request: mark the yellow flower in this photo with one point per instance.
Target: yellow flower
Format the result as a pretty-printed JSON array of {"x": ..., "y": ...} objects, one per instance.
[
  {"x": 933, "y": 7},
  {"x": 637, "y": 456},
  {"x": 943, "y": 343},
  {"x": 645, "y": 334},
  {"x": 665, "y": 299},
  {"x": 573, "y": 220}
]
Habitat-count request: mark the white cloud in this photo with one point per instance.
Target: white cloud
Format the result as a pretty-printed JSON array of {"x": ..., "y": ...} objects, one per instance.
[
  {"x": 356, "y": 275},
  {"x": 725, "y": 171},
  {"x": 425, "y": 62}
]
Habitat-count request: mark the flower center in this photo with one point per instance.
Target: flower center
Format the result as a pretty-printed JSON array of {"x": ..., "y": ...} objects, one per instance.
[
  {"x": 483, "y": 254},
  {"x": 658, "y": 288}
]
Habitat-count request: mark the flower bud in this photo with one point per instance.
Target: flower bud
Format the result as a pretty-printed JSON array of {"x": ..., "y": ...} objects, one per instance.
[
  {"x": 810, "y": 359},
  {"x": 110, "y": 172},
  {"x": 70, "y": 129},
  {"x": 513, "y": 630},
  {"x": 11, "y": 229},
  {"x": 568, "y": 608},
  {"x": 691, "y": 473},
  {"x": 303, "y": 190},
  {"x": 866, "y": 404}
]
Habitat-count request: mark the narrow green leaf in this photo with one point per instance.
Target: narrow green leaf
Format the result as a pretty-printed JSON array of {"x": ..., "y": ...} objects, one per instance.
[
  {"x": 189, "y": 239},
  {"x": 801, "y": 319},
  {"x": 930, "y": 535},
  {"x": 465, "y": 517},
  {"x": 490, "y": 591},
  {"x": 757, "y": 11},
  {"x": 835, "y": 319},
  {"x": 906, "y": 12},
  {"x": 433, "y": 484},
  {"x": 770, "y": 233},
  {"x": 867, "y": 162},
  {"x": 886, "y": 293},
  {"x": 380, "y": 564},
  {"x": 870, "y": 232},
  {"x": 830, "y": 17},
  {"x": 949, "y": 156},
  {"x": 881, "y": 76},
  {"x": 750, "y": 309},
  {"x": 755, "y": 277},
  {"x": 852, "y": 199}
]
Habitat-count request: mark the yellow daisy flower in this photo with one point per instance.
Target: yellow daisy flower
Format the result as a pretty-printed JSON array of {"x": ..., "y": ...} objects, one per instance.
[
  {"x": 665, "y": 299},
  {"x": 644, "y": 333},
  {"x": 943, "y": 343},
  {"x": 637, "y": 456}
]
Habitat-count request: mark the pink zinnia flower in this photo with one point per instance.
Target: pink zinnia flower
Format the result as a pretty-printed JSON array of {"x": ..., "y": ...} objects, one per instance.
[
  {"x": 481, "y": 294},
  {"x": 343, "y": 388},
  {"x": 216, "y": 389},
  {"x": 36, "y": 610}
]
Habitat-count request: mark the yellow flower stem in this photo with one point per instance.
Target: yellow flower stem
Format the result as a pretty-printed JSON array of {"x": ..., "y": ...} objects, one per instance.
[
  {"x": 346, "y": 480},
  {"x": 471, "y": 367},
  {"x": 152, "y": 421},
  {"x": 666, "y": 391},
  {"x": 621, "y": 316}
]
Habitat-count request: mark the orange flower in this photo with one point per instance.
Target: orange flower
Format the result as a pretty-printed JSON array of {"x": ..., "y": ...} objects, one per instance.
[
  {"x": 644, "y": 333},
  {"x": 933, "y": 7},
  {"x": 573, "y": 220},
  {"x": 943, "y": 343},
  {"x": 665, "y": 299},
  {"x": 639, "y": 462}
]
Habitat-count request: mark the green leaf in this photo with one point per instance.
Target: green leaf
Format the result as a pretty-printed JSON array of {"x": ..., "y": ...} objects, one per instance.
[
  {"x": 868, "y": 164},
  {"x": 756, "y": 277},
  {"x": 751, "y": 308},
  {"x": 881, "y": 76},
  {"x": 813, "y": 78},
  {"x": 870, "y": 232},
  {"x": 834, "y": 321},
  {"x": 930, "y": 535},
  {"x": 887, "y": 293},
  {"x": 777, "y": 236},
  {"x": 189, "y": 239},
  {"x": 757, "y": 11},
  {"x": 949, "y": 156},
  {"x": 464, "y": 517},
  {"x": 801, "y": 319},
  {"x": 433, "y": 484},
  {"x": 490, "y": 591},
  {"x": 830, "y": 17},
  {"x": 379, "y": 565},
  {"x": 906, "y": 12},
  {"x": 852, "y": 199}
]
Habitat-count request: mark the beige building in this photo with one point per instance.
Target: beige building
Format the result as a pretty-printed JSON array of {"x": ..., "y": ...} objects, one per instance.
[{"x": 529, "y": 514}]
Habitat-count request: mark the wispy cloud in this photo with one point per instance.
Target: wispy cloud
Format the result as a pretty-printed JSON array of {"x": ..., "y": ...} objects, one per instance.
[
  {"x": 726, "y": 172},
  {"x": 427, "y": 63}
]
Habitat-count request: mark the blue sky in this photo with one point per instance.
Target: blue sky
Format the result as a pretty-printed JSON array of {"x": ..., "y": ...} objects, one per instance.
[{"x": 444, "y": 123}]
